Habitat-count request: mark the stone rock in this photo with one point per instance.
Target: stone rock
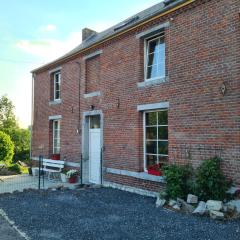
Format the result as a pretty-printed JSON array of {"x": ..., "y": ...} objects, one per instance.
[
  {"x": 234, "y": 204},
  {"x": 214, "y": 205},
  {"x": 216, "y": 215},
  {"x": 192, "y": 198},
  {"x": 233, "y": 190},
  {"x": 172, "y": 202},
  {"x": 160, "y": 202},
  {"x": 201, "y": 209},
  {"x": 187, "y": 208},
  {"x": 176, "y": 207}
]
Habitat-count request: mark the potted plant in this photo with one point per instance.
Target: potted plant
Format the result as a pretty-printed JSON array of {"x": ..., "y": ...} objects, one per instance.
[
  {"x": 155, "y": 170},
  {"x": 72, "y": 176},
  {"x": 63, "y": 176}
]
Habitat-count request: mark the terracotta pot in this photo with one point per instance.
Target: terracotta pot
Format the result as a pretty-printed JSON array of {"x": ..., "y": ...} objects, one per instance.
[
  {"x": 55, "y": 157},
  {"x": 73, "y": 179}
]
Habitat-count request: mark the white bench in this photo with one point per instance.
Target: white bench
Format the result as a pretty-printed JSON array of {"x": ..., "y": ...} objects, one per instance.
[{"x": 52, "y": 166}]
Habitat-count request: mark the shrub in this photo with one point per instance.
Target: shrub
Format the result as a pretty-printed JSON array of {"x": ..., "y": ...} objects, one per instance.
[
  {"x": 15, "y": 168},
  {"x": 178, "y": 180},
  {"x": 6, "y": 148},
  {"x": 210, "y": 181}
]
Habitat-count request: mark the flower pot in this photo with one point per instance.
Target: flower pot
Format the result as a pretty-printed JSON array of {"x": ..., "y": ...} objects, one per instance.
[
  {"x": 55, "y": 157},
  {"x": 63, "y": 177},
  {"x": 154, "y": 172},
  {"x": 73, "y": 179}
]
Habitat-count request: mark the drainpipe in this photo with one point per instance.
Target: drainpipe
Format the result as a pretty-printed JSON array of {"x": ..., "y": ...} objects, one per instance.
[{"x": 32, "y": 114}]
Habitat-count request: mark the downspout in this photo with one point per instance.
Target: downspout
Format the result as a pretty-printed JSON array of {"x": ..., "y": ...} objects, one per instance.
[{"x": 79, "y": 120}]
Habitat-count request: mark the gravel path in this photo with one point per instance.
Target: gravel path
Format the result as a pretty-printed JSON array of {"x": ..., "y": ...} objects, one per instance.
[{"x": 106, "y": 213}]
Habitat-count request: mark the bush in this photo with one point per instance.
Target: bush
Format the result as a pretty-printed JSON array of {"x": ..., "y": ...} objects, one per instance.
[
  {"x": 210, "y": 181},
  {"x": 178, "y": 180},
  {"x": 15, "y": 168},
  {"x": 6, "y": 148}
]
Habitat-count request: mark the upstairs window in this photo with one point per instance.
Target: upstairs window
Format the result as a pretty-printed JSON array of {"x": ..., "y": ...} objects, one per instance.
[
  {"x": 155, "y": 57},
  {"x": 56, "y": 86}
]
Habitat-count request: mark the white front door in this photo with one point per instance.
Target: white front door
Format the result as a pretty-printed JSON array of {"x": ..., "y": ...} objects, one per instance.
[{"x": 95, "y": 152}]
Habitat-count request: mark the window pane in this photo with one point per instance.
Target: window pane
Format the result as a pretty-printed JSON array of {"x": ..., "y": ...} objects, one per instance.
[
  {"x": 153, "y": 59},
  {"x": 95, "y": 121},
  {"x": 152, "y": 71},
  {"x": 163, "y": 118},
  {"x": 162, "y": 159},
  {"x": 152, "y": 46},
  {"x": 151, "y": 118},
  {"x": 151, "y": 133},
  {"x": 151, "y": 147},
  {"x": 163, "y": 147},
  {"x": 151, "y": 160},
  {"x": 163, "y": 133}
]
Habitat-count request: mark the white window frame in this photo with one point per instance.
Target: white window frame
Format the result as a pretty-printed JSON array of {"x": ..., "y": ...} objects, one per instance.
[
  {"x": 59, "y": 136},
  {"x": 58, "y": 73},
  {"x": 144, "y": 136},
  {"x": 146, "y": 50}
]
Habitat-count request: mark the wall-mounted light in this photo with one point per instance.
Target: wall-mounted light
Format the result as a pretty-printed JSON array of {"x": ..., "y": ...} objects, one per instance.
[{"x": 223, "y": 89}]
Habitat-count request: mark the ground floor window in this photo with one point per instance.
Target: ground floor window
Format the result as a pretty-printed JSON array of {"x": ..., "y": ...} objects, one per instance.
[
  {"x": 56, "y": 136},
  {"x": 155, "y": 137}
]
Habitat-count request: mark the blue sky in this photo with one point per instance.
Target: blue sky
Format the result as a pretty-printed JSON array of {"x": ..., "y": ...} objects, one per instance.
[{"x": 35, "y": 32}]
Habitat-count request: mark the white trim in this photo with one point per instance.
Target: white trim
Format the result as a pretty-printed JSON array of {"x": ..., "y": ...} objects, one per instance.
[
  {"x": 55, "y": 70},
  {"x": 151, "y": 82},
  {"x": 70, "y": 164},
  {"x": 92, "y": 55},
  {"x": 58, "y": 137},
  {"x": 54, "y": 85},
  {"x": 55, "y": 117},
  {"x": 152, "y": 30},
  {"x": 92, "y": 94},
  {"x": 139, "y": 175},
  {"x": 152, "y": 106},
  {"x": 130, "y": 189}
]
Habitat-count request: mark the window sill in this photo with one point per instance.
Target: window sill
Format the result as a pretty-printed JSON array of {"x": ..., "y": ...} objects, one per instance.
[
  {"x": 139, "y": 175},
  {"x": 153, "y": 82},
  {"x": 92, "y": 94},
  {"x": 55, "y": 102}
]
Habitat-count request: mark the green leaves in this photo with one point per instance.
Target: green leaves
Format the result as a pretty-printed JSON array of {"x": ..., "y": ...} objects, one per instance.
[{"x": 6, "y": 148}]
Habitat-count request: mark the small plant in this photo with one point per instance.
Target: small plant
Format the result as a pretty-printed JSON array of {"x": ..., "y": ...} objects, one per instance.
[
  {"x": 178, "y": 180},
  {"x": 64, "y": 171},
  {"x": 6, "y": 148},
  {"x": 210, "y": 181},
  {"x": 72, "y": 173},
  {"x": 15, "y": 168}
]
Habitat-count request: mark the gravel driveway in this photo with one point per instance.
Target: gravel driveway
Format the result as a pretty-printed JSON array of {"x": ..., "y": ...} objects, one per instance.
[{"x": 105, "y": 213}]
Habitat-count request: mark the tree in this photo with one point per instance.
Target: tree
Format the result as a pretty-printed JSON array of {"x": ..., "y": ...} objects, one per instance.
[{"x": 6, "y": 148}]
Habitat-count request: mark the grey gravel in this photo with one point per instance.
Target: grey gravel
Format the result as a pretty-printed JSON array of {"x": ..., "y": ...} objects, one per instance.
[{"x": 106, "y": 213}]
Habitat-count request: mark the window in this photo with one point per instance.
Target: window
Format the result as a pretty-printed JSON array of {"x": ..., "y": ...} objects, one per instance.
[
  {"x": 56, "y": 136},
  {"x": 155, "y": 57},
  {"x": 155, "y": 137},
  {"x": 57, "y": 85}
]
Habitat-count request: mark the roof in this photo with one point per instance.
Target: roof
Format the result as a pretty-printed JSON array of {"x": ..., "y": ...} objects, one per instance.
[{"x": 118, "y": 28}]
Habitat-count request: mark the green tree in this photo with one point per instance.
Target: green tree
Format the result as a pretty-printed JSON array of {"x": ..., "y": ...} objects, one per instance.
[{"x": 6, "y": 148}]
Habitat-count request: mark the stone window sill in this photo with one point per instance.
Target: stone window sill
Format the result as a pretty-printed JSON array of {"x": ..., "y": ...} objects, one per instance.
[
  {"x": 92, "y": 94},
  {"x": 55, "y": 102},
  {"x": 153, "y": 82}
]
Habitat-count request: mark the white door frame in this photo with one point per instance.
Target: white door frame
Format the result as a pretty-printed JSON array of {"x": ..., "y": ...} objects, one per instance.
[{"x": 85, "y": 136}]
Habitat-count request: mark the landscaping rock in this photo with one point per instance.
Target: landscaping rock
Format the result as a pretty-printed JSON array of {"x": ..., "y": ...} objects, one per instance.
[
  {"x": 187, "y": 208},
  {"x": 216, "y": 215},
  {"x": 201, "y": 208},
  {"x": 160, "y": 202},
  {"x": 214, "y": 205},
  {"x": 172, "y": 202},
  {"x": 233, "y": 190},
  {"x": 192, "y": 198},
  {"x": 234, "y": 204},
  {"x": 176, "y": 207}
]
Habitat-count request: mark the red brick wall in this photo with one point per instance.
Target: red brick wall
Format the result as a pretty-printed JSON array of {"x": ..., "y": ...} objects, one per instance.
[
  {"x": 202, "y": 49},
  {"x": 92, "y": 74}
]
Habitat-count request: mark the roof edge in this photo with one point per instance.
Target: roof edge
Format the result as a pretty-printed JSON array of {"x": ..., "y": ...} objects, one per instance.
[{"x": 171, "y": 8}]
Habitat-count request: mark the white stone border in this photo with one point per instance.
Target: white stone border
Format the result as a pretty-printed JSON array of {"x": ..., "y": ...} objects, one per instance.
[
  {"x": 153, "y": 106},
  {"x": 130, "y": 189},
  {"x": 12, "y": 224},
  {"x": 92, "y": 55},
  {"x": 55, "y": 117},
  {"x": 55, "y": 70},
  {"x": 92, "y": 94}
]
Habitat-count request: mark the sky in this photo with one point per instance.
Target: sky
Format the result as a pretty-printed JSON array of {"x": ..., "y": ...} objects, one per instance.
[{"x": 32, "y": 33}]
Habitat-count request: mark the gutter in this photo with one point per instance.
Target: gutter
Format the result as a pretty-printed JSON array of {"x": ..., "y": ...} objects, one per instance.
[{"x": 164, "y": 12}]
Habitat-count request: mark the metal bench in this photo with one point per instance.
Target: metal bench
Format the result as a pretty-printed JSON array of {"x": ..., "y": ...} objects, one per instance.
[{"x": 52, "y": 166}]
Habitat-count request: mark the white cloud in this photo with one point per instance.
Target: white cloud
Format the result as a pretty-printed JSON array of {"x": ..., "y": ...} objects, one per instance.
[{"x": 48, "y": 28}]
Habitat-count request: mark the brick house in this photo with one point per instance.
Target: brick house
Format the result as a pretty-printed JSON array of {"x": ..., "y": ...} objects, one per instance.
[{"x": 162, "y": 86}]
